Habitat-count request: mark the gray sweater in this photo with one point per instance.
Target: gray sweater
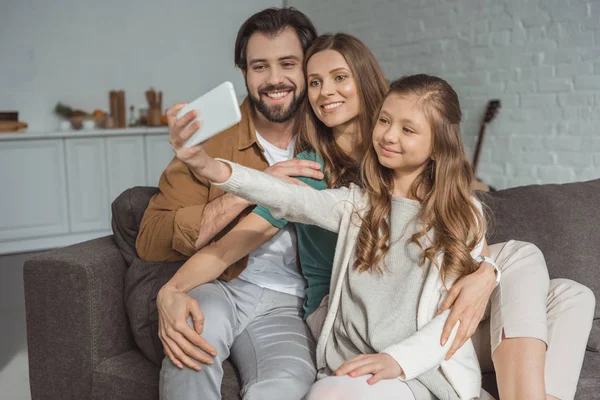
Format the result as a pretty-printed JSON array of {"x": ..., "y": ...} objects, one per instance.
[{"x": 368, "y": 299}]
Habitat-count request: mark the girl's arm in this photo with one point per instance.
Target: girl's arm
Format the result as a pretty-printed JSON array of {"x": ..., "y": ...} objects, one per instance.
[
  {"x": 422, "y": 351},
  {"x": 295, "y": 203},
  {"x": 285, "y": 200}
]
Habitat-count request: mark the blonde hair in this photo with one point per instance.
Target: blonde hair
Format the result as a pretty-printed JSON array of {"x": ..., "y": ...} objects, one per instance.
[{"x": 444, "y": 189}]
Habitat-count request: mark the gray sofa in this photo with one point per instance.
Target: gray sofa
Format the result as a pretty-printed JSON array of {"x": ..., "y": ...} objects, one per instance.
[{"x": 91, "y": 312}]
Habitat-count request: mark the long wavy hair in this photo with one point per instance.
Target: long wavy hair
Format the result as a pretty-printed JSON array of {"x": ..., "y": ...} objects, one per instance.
[
  {"x": 340, "y": 169},
  {"x": 449, "y": 221}
]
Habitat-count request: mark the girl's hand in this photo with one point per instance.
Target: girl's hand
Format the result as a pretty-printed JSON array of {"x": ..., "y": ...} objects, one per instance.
[
  {"x": 382, "y": 366},
  {"x": 179, "y": 133},
  {"x": 195, "y": 158}
]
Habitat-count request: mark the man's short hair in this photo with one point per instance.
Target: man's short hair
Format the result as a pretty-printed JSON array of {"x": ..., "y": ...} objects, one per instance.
[{"x": 272, "y": 21}]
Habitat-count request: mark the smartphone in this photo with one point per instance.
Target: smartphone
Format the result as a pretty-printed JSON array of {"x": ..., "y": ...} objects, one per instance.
[{"x": 217, "y": 109}]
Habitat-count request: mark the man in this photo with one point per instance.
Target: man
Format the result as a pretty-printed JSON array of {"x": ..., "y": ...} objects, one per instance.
[{"x": 254, "y": 311}]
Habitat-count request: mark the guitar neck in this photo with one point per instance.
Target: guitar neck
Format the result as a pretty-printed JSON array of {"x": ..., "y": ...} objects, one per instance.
[{"x": 478, "y": 147}]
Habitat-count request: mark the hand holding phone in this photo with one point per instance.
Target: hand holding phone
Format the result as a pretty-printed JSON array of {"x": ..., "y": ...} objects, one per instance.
[{"x": 217, "y": 110}]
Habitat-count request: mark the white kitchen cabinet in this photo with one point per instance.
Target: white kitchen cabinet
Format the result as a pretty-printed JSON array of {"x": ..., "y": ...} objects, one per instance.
[
  {"x": 33, "y": 201},
  {"x": 126, "y": 164},
  {"x": 158, "y": 155},
  {"x": 56, "y": 188},
  {"x": 87, "y": 184}
]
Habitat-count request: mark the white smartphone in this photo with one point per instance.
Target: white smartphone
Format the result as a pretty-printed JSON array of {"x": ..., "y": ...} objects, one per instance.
[{"x": 217, "y": 109}]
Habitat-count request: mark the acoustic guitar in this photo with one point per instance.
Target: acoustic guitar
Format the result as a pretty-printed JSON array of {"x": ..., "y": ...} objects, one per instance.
[{"x": 491, "y": 112}]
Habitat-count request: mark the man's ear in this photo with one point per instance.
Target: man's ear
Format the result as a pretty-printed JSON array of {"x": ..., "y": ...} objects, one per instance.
[{"x": 244, "y": 72}]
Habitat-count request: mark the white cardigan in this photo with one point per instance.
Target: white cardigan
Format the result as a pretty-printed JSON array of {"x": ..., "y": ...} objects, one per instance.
[{"x": 336, "y": 210}]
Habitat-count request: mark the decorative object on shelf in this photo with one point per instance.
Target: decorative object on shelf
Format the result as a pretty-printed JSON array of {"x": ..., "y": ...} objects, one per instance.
[
  {"x": 143, "y": 116},
  {"x": 154, "y": 107},
  {"x": 89, "y": 124},
  {"x": 9, "y": 122},
  {"x": 65, "y": 125},
  {"x": 12, "y": 127},
  {"x": 12, "y": 116},
  {"x": 99, "y": 118},
  {"x": 117, "y": 108},
  {"x": 76, "y": 117},
  {"x": 491, "y": 112},
  {"x": 132, "y": 121}
]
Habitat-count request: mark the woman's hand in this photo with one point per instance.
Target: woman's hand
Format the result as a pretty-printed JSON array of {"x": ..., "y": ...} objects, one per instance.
[
  {"x": 382, "y": 366},
  {"x": 468, "y": 298}
]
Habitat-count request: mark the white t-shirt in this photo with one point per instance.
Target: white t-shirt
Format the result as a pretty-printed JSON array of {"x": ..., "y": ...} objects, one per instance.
[{"x": 274, "y": 265}]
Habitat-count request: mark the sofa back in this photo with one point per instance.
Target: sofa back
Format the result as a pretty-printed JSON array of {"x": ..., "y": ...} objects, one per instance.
[{"x": 562, "y": 220}]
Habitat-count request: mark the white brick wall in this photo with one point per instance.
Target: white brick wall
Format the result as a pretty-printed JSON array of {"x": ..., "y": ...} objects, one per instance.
[{"x": 541, "y": 58}]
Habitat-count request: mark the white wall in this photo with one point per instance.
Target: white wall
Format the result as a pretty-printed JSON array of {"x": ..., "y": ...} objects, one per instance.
[
  {"x": 75, "y": 51},
  {"x": 540, "y": 57}
]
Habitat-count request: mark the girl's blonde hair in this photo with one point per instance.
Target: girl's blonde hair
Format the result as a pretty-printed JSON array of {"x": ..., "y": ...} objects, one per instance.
[
  {"x": 444, "y": 188},
  {"x": 340, "y": 169}
]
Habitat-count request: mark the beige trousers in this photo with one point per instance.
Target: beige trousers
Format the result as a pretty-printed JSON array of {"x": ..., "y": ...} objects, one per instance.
[{"x": 527, "y": 304}]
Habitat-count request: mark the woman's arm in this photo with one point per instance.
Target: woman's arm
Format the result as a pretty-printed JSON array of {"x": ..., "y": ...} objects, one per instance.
[
  {"x": 468, "y": 298},
  {"x": 210, "y": 262}
]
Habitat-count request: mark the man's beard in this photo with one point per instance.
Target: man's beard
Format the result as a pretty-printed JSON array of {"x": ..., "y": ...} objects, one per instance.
[{"x": 277, "y": 114}]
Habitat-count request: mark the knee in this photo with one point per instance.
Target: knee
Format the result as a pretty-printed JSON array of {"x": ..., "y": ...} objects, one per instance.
[
  {"x": 217, "y": 332},
  {"x": 526, "y": 258},
  {"x": 574, "y": 295},
  {"x": 289, "y": 386},
  {"x": 330, "y": 391},
  {"x": 528, "y": 250}
]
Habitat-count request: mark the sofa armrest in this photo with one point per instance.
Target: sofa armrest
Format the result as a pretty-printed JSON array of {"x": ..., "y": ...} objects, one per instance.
[{"x": 75, "y": 316}]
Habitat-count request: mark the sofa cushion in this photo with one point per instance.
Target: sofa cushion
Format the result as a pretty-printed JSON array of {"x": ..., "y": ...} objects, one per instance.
[
  {"x": 588, "y": 386},
  {"x": 143, "y": 280},
  {"x": 125, "y": 377},
  {"x": 562, "y": 220},
  {"x": 127, "y": 212}
]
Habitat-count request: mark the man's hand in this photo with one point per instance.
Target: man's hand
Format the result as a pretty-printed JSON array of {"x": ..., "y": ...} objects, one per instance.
[
  {"x": 468, "y": 298},
  {"x": 382, "y": 366},
  {"x": 286, "y": 170},
  {"x": 177, "y": 337}
]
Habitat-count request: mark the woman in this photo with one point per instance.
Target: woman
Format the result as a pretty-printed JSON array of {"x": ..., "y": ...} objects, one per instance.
[{"x": 334, "y": 131}]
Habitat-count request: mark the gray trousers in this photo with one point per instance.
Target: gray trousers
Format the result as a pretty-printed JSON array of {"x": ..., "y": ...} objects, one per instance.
[{"x": 265, "y": 335}]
